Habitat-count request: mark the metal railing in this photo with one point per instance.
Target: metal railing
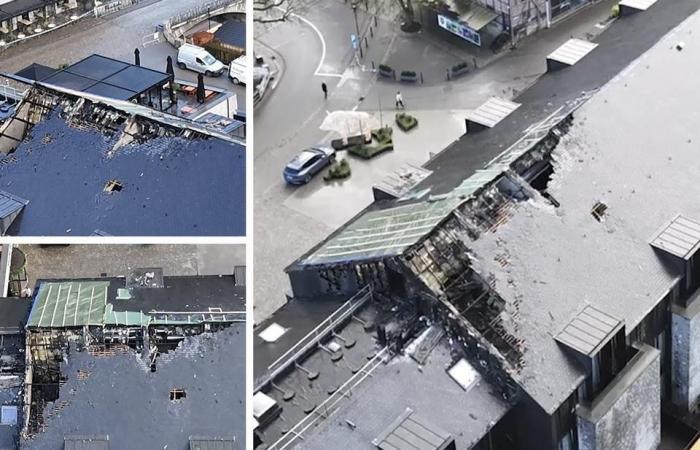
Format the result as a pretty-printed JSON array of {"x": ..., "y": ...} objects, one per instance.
[
  {"x": 8, "y": 92},
  {"x": 316, "y": 335},
  {"x": 325, "y": 409}
]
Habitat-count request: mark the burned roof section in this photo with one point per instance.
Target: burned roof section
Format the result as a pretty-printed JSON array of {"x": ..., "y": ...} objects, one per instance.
[
  {"x": 85, "y": 163},
  {"x": 208, "y": 369}
]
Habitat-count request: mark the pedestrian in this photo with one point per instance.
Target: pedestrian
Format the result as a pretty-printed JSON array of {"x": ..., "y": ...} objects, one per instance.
[
  {"x": 324, "y": 88},
  {"x": 399, "y": 100}
]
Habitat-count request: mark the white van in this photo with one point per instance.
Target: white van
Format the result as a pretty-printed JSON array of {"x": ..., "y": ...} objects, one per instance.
[
  {"x": 196, "y": 58},
  {"x": 236, "y": 70}
]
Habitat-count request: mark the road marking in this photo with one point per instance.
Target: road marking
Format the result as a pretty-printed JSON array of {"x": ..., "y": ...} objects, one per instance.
[{"x": 318, "y": 72}]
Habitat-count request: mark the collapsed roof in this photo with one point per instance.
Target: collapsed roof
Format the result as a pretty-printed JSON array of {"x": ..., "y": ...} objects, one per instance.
[
  {"x": 85, "y": 164},
  {"x": 118, "y": 397}
]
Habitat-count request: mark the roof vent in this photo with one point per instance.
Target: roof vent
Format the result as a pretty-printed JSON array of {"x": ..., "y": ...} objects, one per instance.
[
  {"x": 589, "y": 331},
  {"x": 598, "y": 211},
  {"x": 410, "y": 431},
  {"x": 680, "y": 237}
]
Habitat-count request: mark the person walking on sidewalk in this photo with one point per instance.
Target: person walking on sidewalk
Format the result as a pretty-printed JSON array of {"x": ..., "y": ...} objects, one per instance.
[
  {"x": 324, "y": 88},
  {"x": 399, "y": 100}
]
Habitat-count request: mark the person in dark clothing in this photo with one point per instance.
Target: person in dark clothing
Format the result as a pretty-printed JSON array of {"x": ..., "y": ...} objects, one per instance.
[{"x": 324, "y": 88}]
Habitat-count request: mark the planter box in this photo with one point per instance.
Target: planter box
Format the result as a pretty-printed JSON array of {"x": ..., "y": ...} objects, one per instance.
[
  {"x": 406, "y": 122},
  {"x": 409, "y": 78},
  {"x": 338, "y": 171},
  {"x": 352, "y": 140},
  {"x": 454, "y": 73},
  {"x": 370, "y": 151},
  {"x": 386, "y": 73}
]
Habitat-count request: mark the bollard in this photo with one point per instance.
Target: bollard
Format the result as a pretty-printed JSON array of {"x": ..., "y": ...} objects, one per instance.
[
  {"x": 448, "y": 75},
  {"x": 366, "y": 42},
  {"x": 372, "y": 65},
  {"x": 421, "y": 78},
  {"x": 371, "y": 32},
  {"x": 375, "y": 21},
  {"x": 393, "y": 74},
  {"x": 474, "y": 60}
]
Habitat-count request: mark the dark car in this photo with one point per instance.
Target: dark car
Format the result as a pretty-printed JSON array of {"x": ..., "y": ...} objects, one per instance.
[{"x": 307, "y": 164}]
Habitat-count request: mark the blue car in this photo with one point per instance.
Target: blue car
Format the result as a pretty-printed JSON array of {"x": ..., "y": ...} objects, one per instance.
[{"x": 308, "y": 163}]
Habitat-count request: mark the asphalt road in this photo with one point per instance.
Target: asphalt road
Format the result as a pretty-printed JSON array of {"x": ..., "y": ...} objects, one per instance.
[{"x": 115, "y": 36}]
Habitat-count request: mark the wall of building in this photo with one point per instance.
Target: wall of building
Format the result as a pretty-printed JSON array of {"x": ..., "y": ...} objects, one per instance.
[
  {"x": 627, "y": 414},
  {"x": 685, "y": 355}
]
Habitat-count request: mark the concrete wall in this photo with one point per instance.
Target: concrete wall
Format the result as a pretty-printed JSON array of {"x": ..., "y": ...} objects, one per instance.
[
  {"x": 627, "y": 414},
  {"x": 685, "y": 355}
]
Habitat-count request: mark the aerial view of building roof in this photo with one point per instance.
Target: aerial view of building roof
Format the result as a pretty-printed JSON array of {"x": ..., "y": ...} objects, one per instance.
[
  {"x": 85, "y": 164},
  {"x": 196, "y": 394},
  {"x": 147, "y": 340}
]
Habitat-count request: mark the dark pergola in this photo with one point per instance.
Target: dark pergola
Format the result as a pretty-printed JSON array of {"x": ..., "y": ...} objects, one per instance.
[{"x": 107, "y": 77}]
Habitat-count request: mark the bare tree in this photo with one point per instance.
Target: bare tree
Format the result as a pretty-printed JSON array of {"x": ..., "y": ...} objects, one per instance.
[{"x": 268, "y": 11}]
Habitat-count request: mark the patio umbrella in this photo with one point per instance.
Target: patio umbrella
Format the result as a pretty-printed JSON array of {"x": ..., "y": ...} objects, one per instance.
[
  {"x": 200, "y": 88},
  {"x": 350, "y": 123},
  {"x": 169, "y": 67},
  {"x": 137, "y": 57}
]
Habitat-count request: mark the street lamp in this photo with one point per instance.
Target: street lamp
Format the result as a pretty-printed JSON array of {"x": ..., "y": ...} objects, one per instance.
[{"x": 357, "y": 28}]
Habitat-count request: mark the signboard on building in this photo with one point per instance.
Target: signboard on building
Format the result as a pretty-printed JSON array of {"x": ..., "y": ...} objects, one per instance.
[{"x": 460, "y": 29}]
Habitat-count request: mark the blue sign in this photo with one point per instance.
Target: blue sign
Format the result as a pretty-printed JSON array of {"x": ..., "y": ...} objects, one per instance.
[
  {"x": 355, "y": 41},
  {"x": 460, "y": 29}
]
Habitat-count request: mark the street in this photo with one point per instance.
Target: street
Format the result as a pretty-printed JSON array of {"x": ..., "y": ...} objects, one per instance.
[
  {"x": 315, "y": 47},
  {"x": 115, "y": 36}
]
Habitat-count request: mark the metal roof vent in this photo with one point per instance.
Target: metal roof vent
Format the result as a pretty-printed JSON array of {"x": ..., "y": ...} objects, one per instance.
[
  {"x": 589, "y": 331},
  {"x": 410, "y": 432},
  {"x": 680, "y": 237}
]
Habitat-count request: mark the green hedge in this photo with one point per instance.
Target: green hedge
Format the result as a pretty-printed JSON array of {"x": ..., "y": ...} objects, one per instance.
[
  {"x": 370, "y": 151},
  {"x": 383, "y": 135},
  {"x": 406, "y": 121},
  {"x": 338, "y": 171}
]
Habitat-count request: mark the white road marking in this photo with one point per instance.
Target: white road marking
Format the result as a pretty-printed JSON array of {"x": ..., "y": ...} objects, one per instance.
[{"x": 318, "y": 72}]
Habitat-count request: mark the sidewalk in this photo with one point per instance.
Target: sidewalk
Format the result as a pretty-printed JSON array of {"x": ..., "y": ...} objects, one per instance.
[{"x": 387, "y": 44}]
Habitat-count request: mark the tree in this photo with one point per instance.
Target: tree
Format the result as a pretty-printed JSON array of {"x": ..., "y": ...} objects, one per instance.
[
  {"x": 268, "y": 11},
  {"x": 407, "y": 7}
]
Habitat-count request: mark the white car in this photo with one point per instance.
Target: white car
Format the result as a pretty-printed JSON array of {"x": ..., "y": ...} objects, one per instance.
[
  {"x": 196, "y": 58},
  {"x": 237, "y": 70}
]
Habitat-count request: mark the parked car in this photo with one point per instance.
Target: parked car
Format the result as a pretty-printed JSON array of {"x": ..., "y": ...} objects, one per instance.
[
  {"x": 196, "y": 58},
  {"x": 308, "y": 163},
  {"x": 237, "y": 70}
]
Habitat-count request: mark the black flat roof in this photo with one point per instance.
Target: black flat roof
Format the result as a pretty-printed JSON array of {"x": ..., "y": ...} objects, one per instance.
[
  {"x": 100, "y": 75},
  {"x": 13, "y": 314},
  {"x": 232, "y": 32}
]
